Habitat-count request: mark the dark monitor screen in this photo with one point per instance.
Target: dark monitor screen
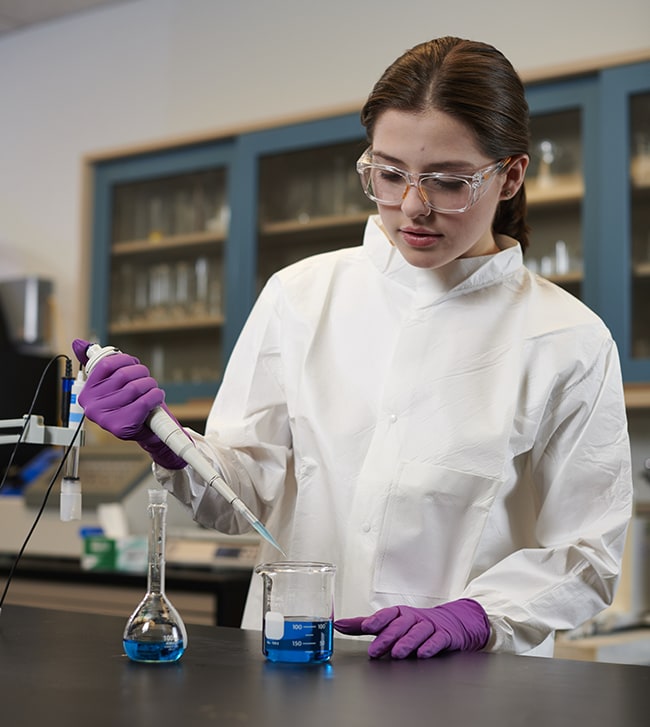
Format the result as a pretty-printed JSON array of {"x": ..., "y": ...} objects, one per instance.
[{"x": 20, "y": 373}]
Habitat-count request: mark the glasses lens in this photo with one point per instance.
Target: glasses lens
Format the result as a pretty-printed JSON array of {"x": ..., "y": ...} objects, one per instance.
[
  {"x": 446, "y": 193},
  {"x": 383, "y": 185},
  {"x": 387, "y": 186}
]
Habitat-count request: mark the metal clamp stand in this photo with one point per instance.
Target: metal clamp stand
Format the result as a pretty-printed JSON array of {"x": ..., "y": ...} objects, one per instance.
[{"x": 34, "y": 431}]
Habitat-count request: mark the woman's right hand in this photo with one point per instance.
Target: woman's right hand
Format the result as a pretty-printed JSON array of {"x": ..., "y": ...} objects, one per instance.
[{"x": 119, "y": 395}]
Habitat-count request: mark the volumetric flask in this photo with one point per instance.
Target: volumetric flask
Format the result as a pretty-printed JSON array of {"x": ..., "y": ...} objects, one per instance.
[
  {"x": 297, "y": 611},
  {"x": 155, "y": 632}
]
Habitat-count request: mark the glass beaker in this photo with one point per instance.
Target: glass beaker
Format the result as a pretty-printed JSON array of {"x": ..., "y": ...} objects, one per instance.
[
  {"x": 155, "y": 632},
  {"x": 297, "y": 611}
]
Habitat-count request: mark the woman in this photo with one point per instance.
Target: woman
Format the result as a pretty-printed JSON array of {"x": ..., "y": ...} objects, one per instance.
[{"x": 422, "y": 411}]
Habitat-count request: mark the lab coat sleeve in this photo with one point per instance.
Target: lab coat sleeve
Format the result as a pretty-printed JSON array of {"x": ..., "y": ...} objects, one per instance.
[
  {"x": 580, "y": 472},
  {"x": 247, "y": 435}
]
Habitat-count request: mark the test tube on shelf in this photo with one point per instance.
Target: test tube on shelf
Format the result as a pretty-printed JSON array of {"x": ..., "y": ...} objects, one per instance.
[
  {"x": 562, "y": 261},
  {"x": 158, "y": 363},
  {"x": 201, "y": 281},
  {"x": 215, "y": 287},
  {"x": 183, "y": 211},
  {"x": 141, "y": 294},
  {"x": 182, "y": 288}
]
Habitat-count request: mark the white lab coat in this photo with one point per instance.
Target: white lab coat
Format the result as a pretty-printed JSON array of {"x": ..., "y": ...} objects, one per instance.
[{"x": 436, "y": 434}]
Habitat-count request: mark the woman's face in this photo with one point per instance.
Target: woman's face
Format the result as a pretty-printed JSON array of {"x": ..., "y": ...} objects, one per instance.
[{"x": 434, "y": 141}]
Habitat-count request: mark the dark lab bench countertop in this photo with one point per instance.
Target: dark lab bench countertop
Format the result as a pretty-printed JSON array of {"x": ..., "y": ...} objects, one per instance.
[
  {"x": 59, "y": 668},
  {"x": 229, "y": 585}
]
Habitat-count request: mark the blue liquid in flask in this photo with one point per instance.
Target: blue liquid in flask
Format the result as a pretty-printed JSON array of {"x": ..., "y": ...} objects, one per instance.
[
  {"x": 303, "y": 642},
  {"x": 155, "y": 651}
]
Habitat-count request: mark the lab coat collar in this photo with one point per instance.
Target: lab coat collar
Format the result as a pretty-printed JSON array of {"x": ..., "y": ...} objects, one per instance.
[{"x": 455, "y": 278}]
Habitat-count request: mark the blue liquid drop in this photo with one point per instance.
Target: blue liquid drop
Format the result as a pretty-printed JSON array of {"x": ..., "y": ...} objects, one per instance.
[{"x": 303, "y": 642}]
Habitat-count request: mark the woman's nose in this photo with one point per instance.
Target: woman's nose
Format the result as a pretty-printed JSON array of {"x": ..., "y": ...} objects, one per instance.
[{"x": 413, "y": 202}]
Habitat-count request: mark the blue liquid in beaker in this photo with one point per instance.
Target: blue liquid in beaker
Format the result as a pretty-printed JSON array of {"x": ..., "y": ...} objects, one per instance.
[
  {"x": 153, "y": 651},
  {"x": 304, "y": 642}
]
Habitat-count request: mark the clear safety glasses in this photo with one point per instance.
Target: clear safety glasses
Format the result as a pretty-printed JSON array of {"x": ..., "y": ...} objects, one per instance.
[{"x": 440, "y": 191}]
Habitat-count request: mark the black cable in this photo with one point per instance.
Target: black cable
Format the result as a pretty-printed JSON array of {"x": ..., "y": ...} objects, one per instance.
[
  {"x": 55, "y": 476},
  {"x": 30, "y": 412}
]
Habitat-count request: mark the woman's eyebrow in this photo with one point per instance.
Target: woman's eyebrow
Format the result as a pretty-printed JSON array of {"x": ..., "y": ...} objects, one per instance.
[{"x": 446, "y": 166}]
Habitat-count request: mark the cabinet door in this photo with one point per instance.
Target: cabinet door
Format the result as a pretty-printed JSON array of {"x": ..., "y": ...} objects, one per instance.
[
  {"x": 559, "y": 183},
  {"x": 310, "y": 202},
  {"x": 625, "y": 213},
  {"x": 308, "y": 192},
  {"x": 160, "y": 264},
  {"x": 639, "y": 108}
]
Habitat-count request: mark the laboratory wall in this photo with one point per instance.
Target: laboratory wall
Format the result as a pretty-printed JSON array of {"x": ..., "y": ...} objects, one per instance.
[{"x": 144, "y": 71}]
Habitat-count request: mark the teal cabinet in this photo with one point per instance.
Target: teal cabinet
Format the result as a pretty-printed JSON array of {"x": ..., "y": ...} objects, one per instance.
[
  {"x": 184, "y": 237},
  {"x": 561, "y": 184},
  {"x": 622, "y": 246},
  {"x": 611, "y": 200}
]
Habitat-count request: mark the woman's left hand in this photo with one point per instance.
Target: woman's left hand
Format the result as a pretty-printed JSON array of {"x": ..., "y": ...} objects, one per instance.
[{"x": 460, "y": 625}]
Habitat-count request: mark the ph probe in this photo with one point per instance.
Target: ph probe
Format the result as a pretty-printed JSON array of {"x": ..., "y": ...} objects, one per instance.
[{"x": 177, "y": 440}]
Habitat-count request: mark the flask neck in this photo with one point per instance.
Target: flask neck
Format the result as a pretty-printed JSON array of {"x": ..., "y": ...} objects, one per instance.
[{"x": 156, "y": 568}]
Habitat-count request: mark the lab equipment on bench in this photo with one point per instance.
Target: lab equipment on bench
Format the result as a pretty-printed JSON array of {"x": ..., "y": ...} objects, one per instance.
[
  {"x": 30, "y": 429},
  {"x": 297, "y": 611},
  {"x": 175, "y": 438},
  {"x": 155, "y": 632}
]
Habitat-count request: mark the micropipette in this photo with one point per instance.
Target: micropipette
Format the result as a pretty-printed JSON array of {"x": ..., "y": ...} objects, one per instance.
[{"x": 177, "y": 440}]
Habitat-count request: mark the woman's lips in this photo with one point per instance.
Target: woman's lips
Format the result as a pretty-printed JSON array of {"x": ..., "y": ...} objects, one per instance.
[{"x": 420, "y": 238}]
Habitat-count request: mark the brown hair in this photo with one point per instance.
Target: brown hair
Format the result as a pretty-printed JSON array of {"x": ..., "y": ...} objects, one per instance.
[{"x": 475, "y": 83}]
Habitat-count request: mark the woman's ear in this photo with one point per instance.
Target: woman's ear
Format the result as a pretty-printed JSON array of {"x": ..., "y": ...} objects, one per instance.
[{"x": 514, "y": 176}]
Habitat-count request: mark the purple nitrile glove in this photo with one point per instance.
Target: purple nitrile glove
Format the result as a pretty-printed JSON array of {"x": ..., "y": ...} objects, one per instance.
[
  {"x": 401, "y": 630},
  {"x": 119, "y": 395}
]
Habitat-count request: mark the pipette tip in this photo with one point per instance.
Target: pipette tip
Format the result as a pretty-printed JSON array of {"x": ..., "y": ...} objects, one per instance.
[
  {"x": 241, "y": 508},
  {"x": 267, "y": 536}
]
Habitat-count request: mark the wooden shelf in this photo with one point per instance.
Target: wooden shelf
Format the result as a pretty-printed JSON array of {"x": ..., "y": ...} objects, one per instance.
[
  {"x": 313, "y": 224},
  {"x": 640, "y": 187},
  {"x": 571, "y": 278},
  {"x": 193, "y": 410},
  {"x": 642, "y": 270},
  {"x": 640, "y": 172},
  {"x": 562, "y": 190},
  {"x": 150, "y": 325},
  {"x": 637, "y": 396},
  {"x": 139, "y": 247}
]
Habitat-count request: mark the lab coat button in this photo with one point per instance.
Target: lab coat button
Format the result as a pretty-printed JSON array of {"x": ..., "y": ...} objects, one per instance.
[
  {"x": 392, "y": 418},
  {"x": 366, "y": 527}
]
